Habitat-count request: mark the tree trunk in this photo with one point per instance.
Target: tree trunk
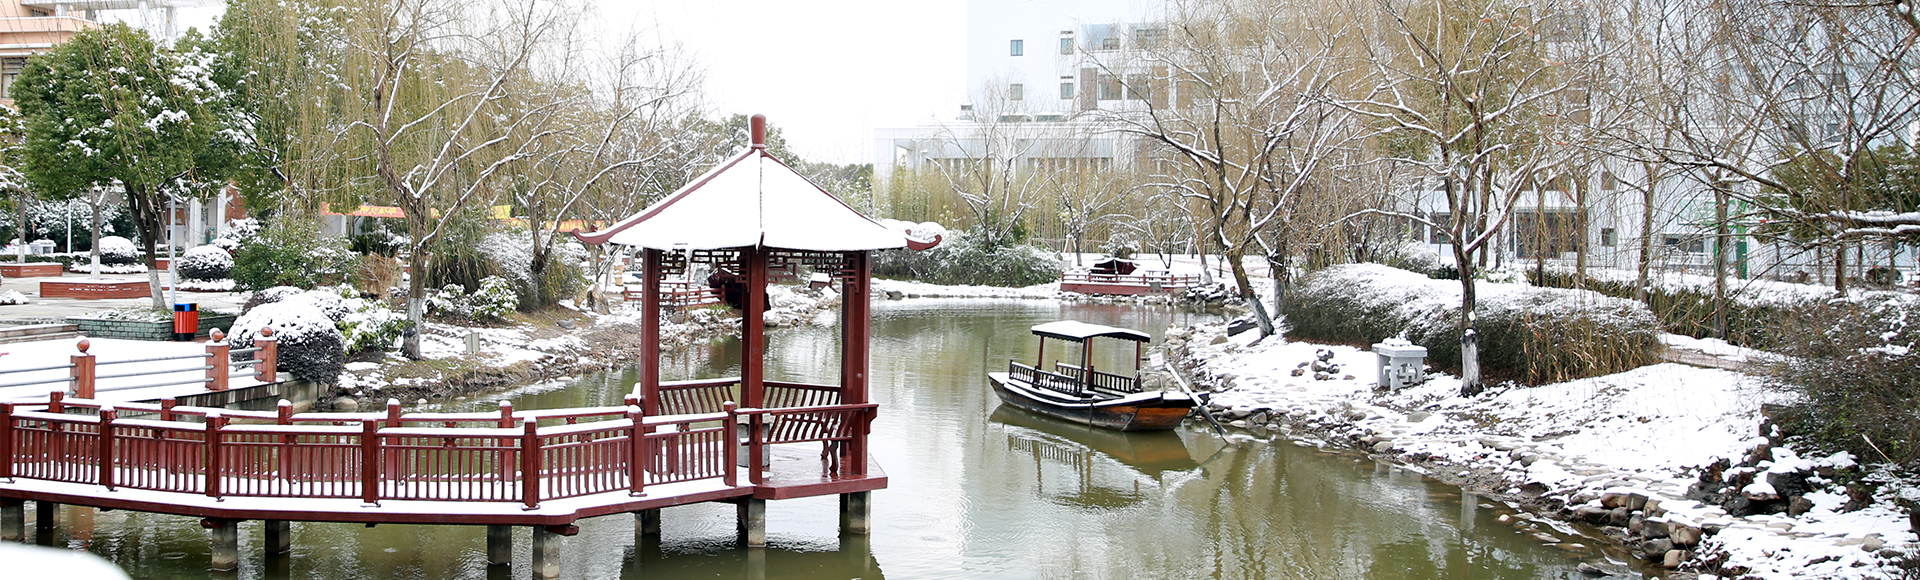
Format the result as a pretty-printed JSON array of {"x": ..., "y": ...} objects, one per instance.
[
  {"x": 146, "y": 222},
  {"x": 1840, "y": 269},
  {"x": 21, "y": 226},
  {"x": 1580, "y": 223},
  {"x": 1470, "y": 381},
  {"x": 1646, "y": 234},
  {"x": 416, "y": 286},
  {"x": 97, "y": 199}
]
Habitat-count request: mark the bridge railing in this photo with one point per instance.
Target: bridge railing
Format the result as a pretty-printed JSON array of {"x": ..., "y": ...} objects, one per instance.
[
  {"x": 216, "y": 367},
  {"x": 374, "y": 457},
  {"x": 1165, "y": 280}
]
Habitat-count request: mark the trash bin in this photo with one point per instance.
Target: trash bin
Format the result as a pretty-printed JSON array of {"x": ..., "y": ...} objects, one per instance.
[{"x": 186, "y": 321}]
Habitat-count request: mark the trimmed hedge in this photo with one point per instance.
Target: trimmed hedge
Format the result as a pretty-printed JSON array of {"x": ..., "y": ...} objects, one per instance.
[
  {"x": 1685, "y": 305},
  {"x": 1536, "y": 335}
]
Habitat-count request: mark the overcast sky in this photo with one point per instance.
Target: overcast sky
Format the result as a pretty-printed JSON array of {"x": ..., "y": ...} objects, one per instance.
[{"x": 826, "y": 72}]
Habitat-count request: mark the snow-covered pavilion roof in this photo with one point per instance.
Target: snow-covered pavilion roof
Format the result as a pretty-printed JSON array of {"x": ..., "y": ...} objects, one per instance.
[
  {"x": 1077, "y": 331},
  {"x": 752, "y": 199}
]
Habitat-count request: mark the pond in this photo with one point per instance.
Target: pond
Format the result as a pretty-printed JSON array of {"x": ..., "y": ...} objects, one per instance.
[{"x": 976, "y": 490}]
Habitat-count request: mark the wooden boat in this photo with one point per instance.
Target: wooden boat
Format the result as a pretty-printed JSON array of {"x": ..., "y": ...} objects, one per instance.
[{"x": 1082, "y": 394}]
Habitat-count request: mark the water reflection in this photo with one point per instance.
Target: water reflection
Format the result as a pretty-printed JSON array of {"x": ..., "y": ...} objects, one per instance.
[{"x": 976, "y": 491}]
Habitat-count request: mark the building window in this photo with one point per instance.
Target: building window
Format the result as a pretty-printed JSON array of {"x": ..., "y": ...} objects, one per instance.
[
  {"x": 1016, "y": 92},
  {"x": 1138, "y": 87},
  {"x": 1017, "y": 47},
  {"x": 1607, "y": 237},
  {"x": 1688, "y": 244},
  {"x": 1066, "y": 45},
  {"x": 1109, "y": 88},
  {"x": 1066, "y": 90},
  {"x": 1609, "y": 182}
]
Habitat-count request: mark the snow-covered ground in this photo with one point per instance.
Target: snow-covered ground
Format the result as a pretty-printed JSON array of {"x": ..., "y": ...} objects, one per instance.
[{"x": 1647, "y": 431}]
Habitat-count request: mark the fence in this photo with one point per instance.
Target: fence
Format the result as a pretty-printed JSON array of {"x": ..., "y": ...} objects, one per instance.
[
  {"x": 503, "y": 457},
  {"x": 1148, "y": 279},
  {"x": 84, "y": 370}
]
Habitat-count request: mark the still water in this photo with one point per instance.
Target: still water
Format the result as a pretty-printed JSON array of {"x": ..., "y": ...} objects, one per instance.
[{"x": 976, "y": 491}]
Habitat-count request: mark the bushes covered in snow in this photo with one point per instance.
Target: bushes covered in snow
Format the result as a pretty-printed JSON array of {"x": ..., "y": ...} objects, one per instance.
[
  {"x": 962, "y": 259},
  {"x": 116, "y": 250},
  {"x": 1537, "y": 335},
  {"x": 1856, "y": 365},
  {"x": 205, "y": 263},
  {"x": 492, "y": 302},
  {"x": 1684, "y": 303},
  {"x": 318, "y": 328}
]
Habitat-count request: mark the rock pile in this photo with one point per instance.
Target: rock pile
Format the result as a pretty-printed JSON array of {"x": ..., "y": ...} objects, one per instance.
[{"x": 1641, "y": 525}]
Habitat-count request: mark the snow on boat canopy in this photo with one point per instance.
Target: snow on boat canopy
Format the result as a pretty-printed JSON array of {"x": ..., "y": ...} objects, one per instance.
[
  {"x": 1077, "y": 331},
  {"x": 753, "y": 200}
]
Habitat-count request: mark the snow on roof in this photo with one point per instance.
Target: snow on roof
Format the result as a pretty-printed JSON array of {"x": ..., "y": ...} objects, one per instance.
[
  {"x": 1077, "y": 331},
  {"x": 750, "y": 200}
]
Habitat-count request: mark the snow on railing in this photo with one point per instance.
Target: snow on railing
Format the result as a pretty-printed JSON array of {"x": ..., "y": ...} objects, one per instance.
[{"x": 84, "y": 376}]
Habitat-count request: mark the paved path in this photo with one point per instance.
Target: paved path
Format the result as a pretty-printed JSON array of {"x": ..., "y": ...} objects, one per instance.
[{"x": 40, "y": 310}]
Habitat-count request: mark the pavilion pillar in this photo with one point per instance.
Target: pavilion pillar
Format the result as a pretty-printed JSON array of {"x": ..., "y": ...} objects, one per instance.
[
  {"x": 13, "y": 520},
  {"x": 546, "y": 553},
  {"x": 44, "y": 513},
  {"x": 856, "y": 328},
  {"x": 752, "y": 524},
  {"x": 753, "y": 331},
  {"x": 647, "y": 522},
  {"x": 854, "y": 512},
  {"x": 224, "y": 537},
  {"x": 499, "y": 544},
  {"x": 650, "y": 333},
  {"x": 279, "y": 536}
]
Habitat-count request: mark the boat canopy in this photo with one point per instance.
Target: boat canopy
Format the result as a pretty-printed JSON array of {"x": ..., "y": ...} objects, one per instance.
[{"x": 1077, "y": 331}]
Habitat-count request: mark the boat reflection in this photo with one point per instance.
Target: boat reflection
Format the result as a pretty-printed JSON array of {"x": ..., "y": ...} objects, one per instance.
[{"x": 1089, "y": 467}]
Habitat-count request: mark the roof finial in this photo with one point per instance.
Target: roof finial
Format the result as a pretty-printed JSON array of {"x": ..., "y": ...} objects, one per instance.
[{"x": 759, "y": 129}]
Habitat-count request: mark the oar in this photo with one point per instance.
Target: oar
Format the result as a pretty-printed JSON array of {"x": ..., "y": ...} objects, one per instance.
[{"x": 1181, "y": 380}]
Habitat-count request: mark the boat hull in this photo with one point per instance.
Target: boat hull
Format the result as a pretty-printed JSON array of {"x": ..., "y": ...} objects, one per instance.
[{"x": 1141, "y": 412}]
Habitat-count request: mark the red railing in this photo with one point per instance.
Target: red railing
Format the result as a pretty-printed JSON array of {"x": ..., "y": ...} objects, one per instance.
[
  {"x": 1167, "y": 281},
  {"x": 676, "y": 294},
  {"x": 377, "y": 456}
]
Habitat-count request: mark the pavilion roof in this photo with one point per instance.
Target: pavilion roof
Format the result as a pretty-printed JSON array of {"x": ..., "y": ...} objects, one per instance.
[{"x": 752, "y": 199}]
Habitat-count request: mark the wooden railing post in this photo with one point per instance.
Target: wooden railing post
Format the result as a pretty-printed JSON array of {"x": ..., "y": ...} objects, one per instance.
[
  {"x": 370, "y": 462},
  {"x": 166, "y": 408},
  {"x": 215, "y": 460},
  {"x": 637, "y": 456},
  {"x": 54, "y": 402},
  {"x": 6, "y": 441},
  {"x": 530, "y": 464},
  {"x": 218, "y": 357},
  {"x": 268, "y": 355},
  {"x": 107, "y": 415},
  {"x": 732, "y": 447},
  {"x": 506, "y": 415},
  {"x": 754, "y": 449},
  {"x": 83, "y": 371}
]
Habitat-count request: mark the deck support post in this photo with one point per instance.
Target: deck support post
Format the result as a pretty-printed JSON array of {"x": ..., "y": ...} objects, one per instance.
[
  {"x": 499, "y": 545},
  {"x": 224, "y": 537},
  {"x": 279, "y": 536},
  {"x": 753, "y": 521},
  {"x": 647, "y": 522},
  {"x": 13, "y": 520},
  {"x": 546, "y": 553},
  {"x": 44, "y": 513},
  {"x": 854, "y": 511}
]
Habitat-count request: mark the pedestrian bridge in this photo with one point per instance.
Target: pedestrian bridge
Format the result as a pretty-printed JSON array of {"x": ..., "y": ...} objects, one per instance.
[{"x": 540, "y": 468}]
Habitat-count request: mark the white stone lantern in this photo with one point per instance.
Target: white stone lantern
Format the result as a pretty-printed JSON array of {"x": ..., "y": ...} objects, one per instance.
[{"x": 1402, "y": 363}]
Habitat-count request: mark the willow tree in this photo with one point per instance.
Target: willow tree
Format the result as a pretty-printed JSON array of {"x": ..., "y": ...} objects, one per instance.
[
  {"x": 1468, "y": 92},
  {"x": 110, "y": 107}
]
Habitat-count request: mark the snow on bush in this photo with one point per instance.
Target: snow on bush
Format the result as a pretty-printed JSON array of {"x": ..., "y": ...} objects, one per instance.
[
  {"x": 221, "y": 285},
  {"x": 1537, "y": 334},
  {"x": 492, "y": 301},
  {"x": 311, "y": 346},
  {"x": 86, "y": 267},
  {"x": 962, "y": 259},
  {"x": 12, "y": 297},
  {"x": 239, "y": 232},
  {"x": 116, "y": 250},
  {"x": 205, "y": 263}
]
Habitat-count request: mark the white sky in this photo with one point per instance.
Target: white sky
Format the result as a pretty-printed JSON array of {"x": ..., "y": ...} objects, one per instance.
[{"x": 825, "y": 72}]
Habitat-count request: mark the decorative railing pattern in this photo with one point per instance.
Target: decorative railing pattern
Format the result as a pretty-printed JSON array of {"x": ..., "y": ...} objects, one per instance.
[
  {"x": 465, "y": 457},
  {"x": 1056, "y": 382},
  {"x": 1165, "y": 280},
  {"x": 676, "y": 294}
]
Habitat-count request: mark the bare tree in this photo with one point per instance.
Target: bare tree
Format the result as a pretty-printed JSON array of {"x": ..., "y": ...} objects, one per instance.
[{"x": 980, "y": 160}]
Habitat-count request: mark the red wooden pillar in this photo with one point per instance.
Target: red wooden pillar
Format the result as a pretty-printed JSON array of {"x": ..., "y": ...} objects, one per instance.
[
  {"x": 107, "y": 417},
  {"x": 856, "y": 331},
  {"x": 530, "y": 464},
  {"x": 216, "y": 457},
  {"x": 83, "y": 371},
  {"x": 6, "y": 441},
  {"x": 753, "y": 332},
  {"x": 218, "y": 358},
  {"x": 650, "y": 333},
  {"x": 369, "y": 462},
  {"x": 268, "y": 355}
]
